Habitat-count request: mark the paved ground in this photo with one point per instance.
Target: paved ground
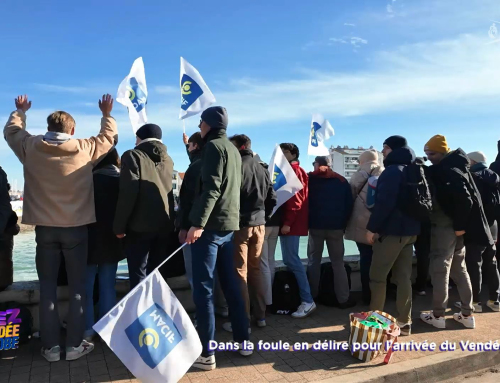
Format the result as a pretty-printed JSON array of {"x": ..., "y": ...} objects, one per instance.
[
  {"x": 489, "y": 375},
  {"x": 26, "y": 364}
]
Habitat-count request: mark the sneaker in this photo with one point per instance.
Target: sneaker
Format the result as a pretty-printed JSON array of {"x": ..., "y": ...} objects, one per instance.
[
  {"x": 494, "y": 305},
  {"x": 347, "y": 305},
  {"x": 245, "y": 352},
  {"x": 222, "y": 311},
  {"x": 304, "y": 310},
  {"x": 51, "y": 354},
  {"x": 469, "y": 321},
  {"x": 73, "y": 353},
  {"x": 89, "y": 335},
  {"x": 261, "y": 323},
  {"x": 478, "y": 306},
  {"x": 205, "y": 364},
  {"x": 405, "y": 328},
  {"x": 229, "y": 328},
  {"x": 429, "y": 318}
]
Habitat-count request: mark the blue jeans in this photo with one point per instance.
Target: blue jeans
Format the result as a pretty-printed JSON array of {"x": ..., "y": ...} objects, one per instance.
[
  {"x": 365, "y": 262},
  {"x": 290, "y": 253},
  {"x": 215, "y": 249},
  {"x": 219, "y": 300},
  {"x": 107, "y": 293}
]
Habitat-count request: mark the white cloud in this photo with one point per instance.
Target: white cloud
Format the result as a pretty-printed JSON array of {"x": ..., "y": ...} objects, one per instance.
[
  {"x": 349, "y": 24},
  {"x": 390, "y": 10},
  {"x": 357, "y": 41},
  {"x": 337, "y": 40},
  {"x": 412, "y": 76}
]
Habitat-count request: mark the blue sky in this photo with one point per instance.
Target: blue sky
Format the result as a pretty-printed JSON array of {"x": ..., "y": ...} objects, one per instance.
[{"x": 373, "y": 68}]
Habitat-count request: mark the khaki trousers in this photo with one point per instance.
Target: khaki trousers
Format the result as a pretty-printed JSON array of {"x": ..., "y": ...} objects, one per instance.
[
  {"x": 391, "y": 252},
  {"x": 248, "y": 243}
]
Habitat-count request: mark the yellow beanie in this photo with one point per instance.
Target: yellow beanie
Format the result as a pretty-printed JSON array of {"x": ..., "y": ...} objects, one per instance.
[{"x": 437, "y": 144}]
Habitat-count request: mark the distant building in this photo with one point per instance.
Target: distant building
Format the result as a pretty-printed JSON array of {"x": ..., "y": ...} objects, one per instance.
[
  {"x": 177, "y": 182},
  {"x": 345, "y": 160}
]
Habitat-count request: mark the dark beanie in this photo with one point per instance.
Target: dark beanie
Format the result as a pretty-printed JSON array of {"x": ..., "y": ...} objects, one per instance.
[
  {"x": 149, "y": 131},
  {"x": 322, "y": 161},
  {"x": 396, "y": 142},
  {"x": 216, "y": 117}
]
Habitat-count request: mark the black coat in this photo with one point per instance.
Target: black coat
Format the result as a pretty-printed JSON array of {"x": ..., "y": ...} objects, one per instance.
[
  {"x": 387, "y": 218},
  {"x": 187, "y": 193},
  {"x": 330, "y": 200},
  {"x": 104, "y": 246},
  {"x": 459, "y": 198},
  {"x": 495, "y": 166},
  {"x": 257, "y": 196},
  {"x": 487, "y": 183}
]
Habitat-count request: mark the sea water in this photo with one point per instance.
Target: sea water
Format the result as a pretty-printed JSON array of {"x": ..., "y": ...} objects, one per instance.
[{"x": 24, "y": 255}]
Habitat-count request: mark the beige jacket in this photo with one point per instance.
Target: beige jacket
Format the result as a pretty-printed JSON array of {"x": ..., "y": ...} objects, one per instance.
[
  {"x": 356, "y": 228},
  {"x": 58, "y": 186}
]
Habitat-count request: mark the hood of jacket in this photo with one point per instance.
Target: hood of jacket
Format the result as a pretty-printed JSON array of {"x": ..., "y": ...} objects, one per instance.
[
  {"x": 326, "y": 172},
  {"x": 400, "y": 156},
  {"x": 246, "y": 153},
  {"x": 456, "y": 159},
  {"x": 155, "y": 150},
  {"x": 195, "y": 155}
]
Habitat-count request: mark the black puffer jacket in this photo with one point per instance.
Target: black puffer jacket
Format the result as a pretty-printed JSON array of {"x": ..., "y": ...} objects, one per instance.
[
  {"x": 488, "y": 183},
  {"x": 459, "y": 198},
  {"x": 187, "y": 193},
  {"x": 495, "y": 166},
  {"x": 257, "y": 196}
]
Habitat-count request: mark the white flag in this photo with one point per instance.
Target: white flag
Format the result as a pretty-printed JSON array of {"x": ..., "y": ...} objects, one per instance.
[
  {"x": 151, "y": 333},
  {"x": 285, "y": 182},
  {"x": 321, "y": 130},
  {"x": 195, "y": 94},
  {"x": 133, "y": 93}
]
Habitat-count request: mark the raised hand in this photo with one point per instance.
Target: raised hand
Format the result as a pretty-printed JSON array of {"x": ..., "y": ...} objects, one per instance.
[
  {"x": 185, "y": 138},
  {"x": 22, "y": 103},
  {"x": 106, "y": 105}
]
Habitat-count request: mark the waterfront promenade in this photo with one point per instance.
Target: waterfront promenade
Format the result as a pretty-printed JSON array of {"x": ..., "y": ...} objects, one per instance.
[{"x": 26, "y": 364}]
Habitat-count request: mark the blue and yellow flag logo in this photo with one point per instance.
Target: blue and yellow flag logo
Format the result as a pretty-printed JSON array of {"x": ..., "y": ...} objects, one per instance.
[
  {"x": 279, "y": 179},
  {"x": 314, "y": 128},
  {"x": 154, "y": 335},
  {"x": 136, "y": 94},
  {"x": 190, "y": 92}
]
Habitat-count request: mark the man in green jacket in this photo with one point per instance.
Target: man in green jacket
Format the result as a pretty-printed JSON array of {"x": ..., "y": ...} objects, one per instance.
[
  {"x": 145, "y": 207},
  {"x": 214, "y": 218}
]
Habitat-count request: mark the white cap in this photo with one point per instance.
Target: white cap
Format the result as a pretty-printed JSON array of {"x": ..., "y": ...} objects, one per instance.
[{"x": 477, "y": 157}]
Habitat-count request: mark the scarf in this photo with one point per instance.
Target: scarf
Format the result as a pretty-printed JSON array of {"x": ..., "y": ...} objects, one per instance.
[{"x": 56, "y": 138}]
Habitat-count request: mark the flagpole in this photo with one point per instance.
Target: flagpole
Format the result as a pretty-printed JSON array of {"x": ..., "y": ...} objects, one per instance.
[{"x": 184, "y": 125}]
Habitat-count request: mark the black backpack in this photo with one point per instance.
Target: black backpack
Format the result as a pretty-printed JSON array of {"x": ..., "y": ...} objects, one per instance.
[
  {"x": 326, "y": 294},
  {"x": 415, "y": 197},
  {"x": 25, "y": 328},
  {"x": 286, "y": 297}
]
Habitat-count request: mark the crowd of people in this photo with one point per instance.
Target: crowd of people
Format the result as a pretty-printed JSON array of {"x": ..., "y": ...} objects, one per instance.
[{"x": 95, "y": 208}]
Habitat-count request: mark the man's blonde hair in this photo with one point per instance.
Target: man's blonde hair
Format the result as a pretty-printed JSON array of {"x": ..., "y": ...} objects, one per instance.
[{"x": 60, "y": 122}]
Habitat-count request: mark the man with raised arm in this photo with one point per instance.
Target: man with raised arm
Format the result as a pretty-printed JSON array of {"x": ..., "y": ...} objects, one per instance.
[{"x": 59, "y": 201}]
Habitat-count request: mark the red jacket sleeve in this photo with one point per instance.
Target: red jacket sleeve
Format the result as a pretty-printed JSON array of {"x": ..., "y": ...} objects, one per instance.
[{"x": 294, "y": 204}]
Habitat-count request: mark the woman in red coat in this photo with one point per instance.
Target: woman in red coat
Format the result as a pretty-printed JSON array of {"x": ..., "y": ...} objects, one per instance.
[{"x": 295, "y": 225}]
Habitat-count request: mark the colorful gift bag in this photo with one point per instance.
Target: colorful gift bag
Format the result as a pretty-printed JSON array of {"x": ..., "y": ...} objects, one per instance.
[{"x": 369, "y": 332}]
